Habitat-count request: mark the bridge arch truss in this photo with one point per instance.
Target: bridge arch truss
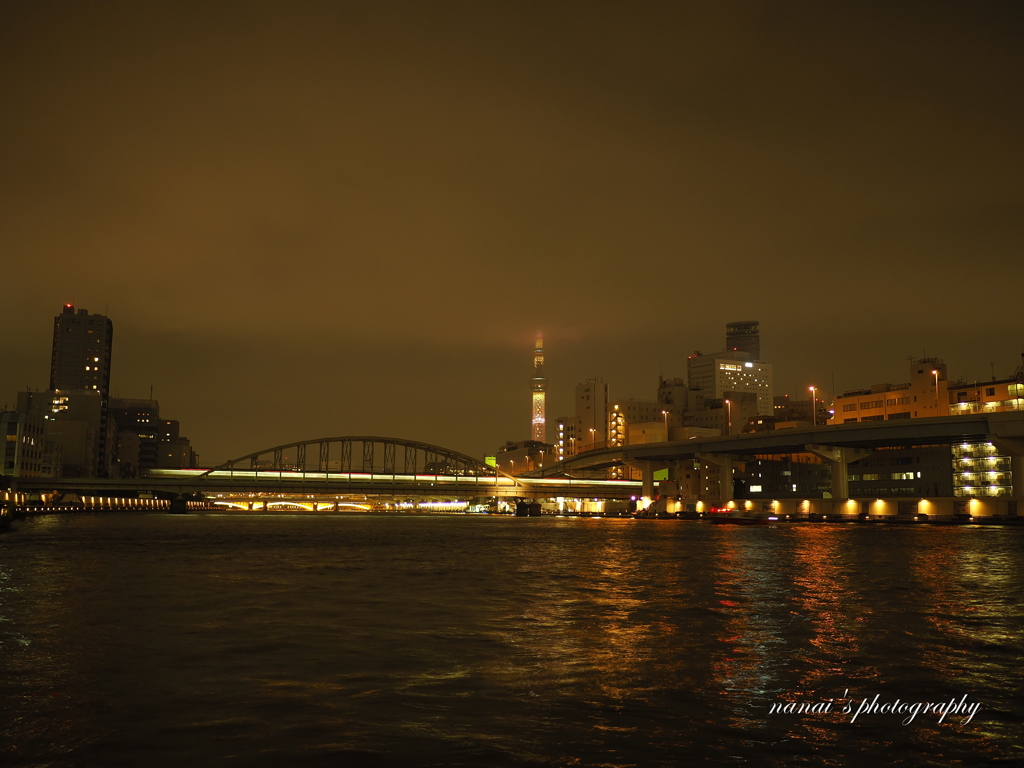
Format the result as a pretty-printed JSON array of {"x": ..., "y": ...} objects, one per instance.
[{"x": 364, "y": 455}]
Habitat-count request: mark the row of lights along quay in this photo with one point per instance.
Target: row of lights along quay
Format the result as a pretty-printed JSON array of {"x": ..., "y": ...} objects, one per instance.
[
  {"x": 717, "y": 445},
  {"x": 720, "y": 439}
]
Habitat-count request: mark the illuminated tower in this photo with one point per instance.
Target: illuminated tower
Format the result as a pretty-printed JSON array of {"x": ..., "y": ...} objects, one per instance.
[{"x": 538, "y": 388}]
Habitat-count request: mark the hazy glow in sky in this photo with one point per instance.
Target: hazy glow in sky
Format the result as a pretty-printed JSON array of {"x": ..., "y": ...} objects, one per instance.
[{"x": 319, "y": 218}]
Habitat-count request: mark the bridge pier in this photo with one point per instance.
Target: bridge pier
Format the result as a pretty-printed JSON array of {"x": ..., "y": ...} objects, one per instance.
[
  {"x": 647, "y": 470},
  {"x": 724, "y": 463},
  {"x": 839, "y": 459},
  {"x": 646, "y": 478}
]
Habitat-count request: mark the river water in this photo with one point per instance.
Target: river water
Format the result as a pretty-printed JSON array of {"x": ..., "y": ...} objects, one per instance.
[{"x": 207, "y": 640}]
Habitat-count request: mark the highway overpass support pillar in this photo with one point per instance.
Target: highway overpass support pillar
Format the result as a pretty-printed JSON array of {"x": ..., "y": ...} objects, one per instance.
[
  {"x": 647, "y": 470},
  {"x": 648, "y": 479},
  {"x": 839, "y": 459},
  {"x": 724, "y": 463}
]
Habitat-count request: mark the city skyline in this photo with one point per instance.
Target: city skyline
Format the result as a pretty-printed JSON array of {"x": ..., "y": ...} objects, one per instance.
[
  {"x": 69, "y": 312},
  {"x": 352, "y": 220}
]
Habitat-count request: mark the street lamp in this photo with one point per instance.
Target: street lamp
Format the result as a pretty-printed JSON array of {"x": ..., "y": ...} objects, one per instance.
[
  {"x": 935, "y": 373},
  {"x": 665, "y": 416},
  {"x": 728, "y": 405},
  {"x": 593, "y": 438},
  {"x": 814, "y": 407}
]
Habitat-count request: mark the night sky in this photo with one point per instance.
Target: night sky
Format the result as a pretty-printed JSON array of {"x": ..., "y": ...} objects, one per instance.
[{"x": 312, "y": 219}]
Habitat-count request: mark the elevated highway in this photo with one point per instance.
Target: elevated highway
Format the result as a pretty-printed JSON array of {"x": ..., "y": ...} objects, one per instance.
[
  {"x": 837, "y": 445},
  {"x": 1005, "y": 429}
]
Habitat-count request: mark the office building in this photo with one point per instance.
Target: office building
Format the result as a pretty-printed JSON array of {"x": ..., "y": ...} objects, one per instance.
[
  {"x": 925, "y": 395},
  {"x": 986, "y": 397},
  {"x": 743, "y": 336},
  {"x": 173, "y": 450},
  {"x": 731, "y": 371},
  {"x": 80, "y": 362},
  {"x": 673, "y": 400},
  {"x": 23, "y": 447},
  {"x": 632, "y": 422},
  {"x": 81, "y": 351},
  {"x": 141, "y": 419},
  {"x": 588, "y": 427},
  {"x": 782, "y": 476},
  {"x": 792, "y": 413},
  {"x": 73, "y": 420}
]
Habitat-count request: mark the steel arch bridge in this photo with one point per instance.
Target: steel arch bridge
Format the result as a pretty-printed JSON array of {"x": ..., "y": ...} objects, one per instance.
[{"x": 361, "y": 454}]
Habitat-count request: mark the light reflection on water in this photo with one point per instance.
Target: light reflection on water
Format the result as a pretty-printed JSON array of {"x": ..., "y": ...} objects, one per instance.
[
  {"x": 746, "y": 648},
  {"x": 159, "y": 640}
]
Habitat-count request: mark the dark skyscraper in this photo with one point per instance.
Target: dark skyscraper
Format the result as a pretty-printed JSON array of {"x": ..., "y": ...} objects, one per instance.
[
  {"x": 81, "y": 351},
  {"x": 743, "y": 336},
  {"x": 79, "y": 365}
]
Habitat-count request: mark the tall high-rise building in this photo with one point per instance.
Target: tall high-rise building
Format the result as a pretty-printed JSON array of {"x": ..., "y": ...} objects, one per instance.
[
  {"x": 538, "y": 388},
  {"x": 80, "y": 364},
  {"x": 743, "y": 336},
  {"x": 81, "y": 351}
]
